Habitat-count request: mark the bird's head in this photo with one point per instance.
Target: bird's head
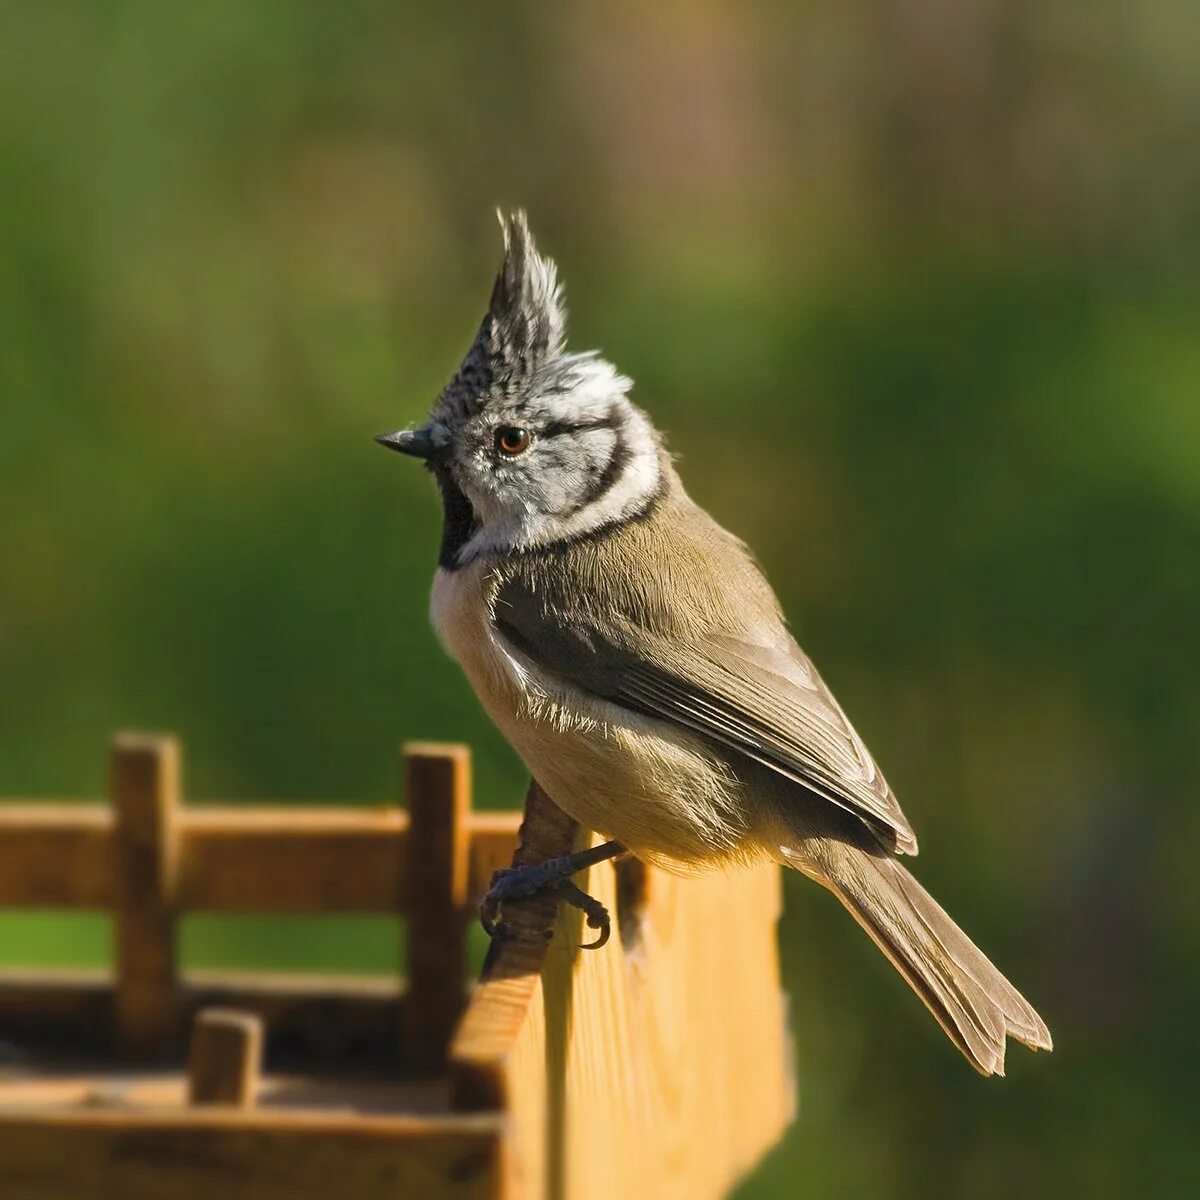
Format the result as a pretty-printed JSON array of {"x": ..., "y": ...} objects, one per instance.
[{"x": 531, "y": 444}]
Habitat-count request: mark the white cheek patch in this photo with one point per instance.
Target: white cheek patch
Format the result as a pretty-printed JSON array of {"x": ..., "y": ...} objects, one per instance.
[
  {"x": 577, "y": 487},
  {"x": 513, "y": 526}
]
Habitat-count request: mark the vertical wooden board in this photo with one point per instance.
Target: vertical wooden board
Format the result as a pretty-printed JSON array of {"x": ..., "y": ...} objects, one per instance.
[
  {"x": 437, "y": 850},
  {"x": 144, "y": 783},
  {"x": 501, "y": 1059},
  {"x": 664, "y": 1068},
  {"x": 512, "y": 974},
  {"x": 494, "y": 840}
]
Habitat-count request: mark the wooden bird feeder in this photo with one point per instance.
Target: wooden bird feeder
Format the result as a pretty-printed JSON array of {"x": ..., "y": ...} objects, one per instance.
[{"x": 657, "y": 1066}]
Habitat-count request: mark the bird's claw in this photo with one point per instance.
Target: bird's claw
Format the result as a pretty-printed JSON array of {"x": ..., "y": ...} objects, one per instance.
[
  {"x": 595, "y": 914},
  {"x": 516, "y": 883}
]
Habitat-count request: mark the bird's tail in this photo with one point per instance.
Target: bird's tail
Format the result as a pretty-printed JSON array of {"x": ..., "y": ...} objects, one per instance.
[{"x": 976, "y": 1006}]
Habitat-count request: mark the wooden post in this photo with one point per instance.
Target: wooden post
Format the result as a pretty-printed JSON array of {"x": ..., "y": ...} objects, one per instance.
[
  {"x": 144, "y": 784},
  {"x": 513, "y": 970},
  {"x": 658, "y": 1066},
  {"x": 225, "y": 1058},
  {"x": 438, "y": 860}
]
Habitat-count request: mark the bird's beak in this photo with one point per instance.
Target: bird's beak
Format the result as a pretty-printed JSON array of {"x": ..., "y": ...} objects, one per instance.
[{"x": 417, "y": 442}]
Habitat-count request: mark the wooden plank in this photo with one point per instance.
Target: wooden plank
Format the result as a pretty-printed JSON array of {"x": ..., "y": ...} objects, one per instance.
[
  {"x": 293, "y": 860},
  {"x": 498, "y": 1056},
  {"x": 90, "y": 1086},
  {"x": 437, "y": 858},
  {"x": 331, "y": 1091},
  {"x": 202, "y": 1153},
  {"x": 145, "y": 795},
  {"x": 494, "y": 840},
  {"x": 284, "y": 859},
  {"x": 658, "y": 1066},
  {"x": 349, "y": 1018},
  {"x": 56, "y": 854},
  {"x": 225, "y": 1057},
  {"x": 495, "y": 1019}
]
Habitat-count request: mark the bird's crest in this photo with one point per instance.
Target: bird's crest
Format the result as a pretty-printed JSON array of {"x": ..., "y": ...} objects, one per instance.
[{"x": 523, "y": 331}]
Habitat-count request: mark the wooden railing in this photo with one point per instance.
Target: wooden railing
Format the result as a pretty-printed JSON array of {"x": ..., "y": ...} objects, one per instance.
[
  {"x": 148, "y": 859},
  {"x": 657, "y": 1067}
]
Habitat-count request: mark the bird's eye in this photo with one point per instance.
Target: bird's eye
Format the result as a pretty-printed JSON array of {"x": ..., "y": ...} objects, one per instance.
[{"x": 512, "y": 440}]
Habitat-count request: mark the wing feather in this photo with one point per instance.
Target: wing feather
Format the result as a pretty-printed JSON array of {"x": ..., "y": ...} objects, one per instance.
[{"x": 750, "y": 689}]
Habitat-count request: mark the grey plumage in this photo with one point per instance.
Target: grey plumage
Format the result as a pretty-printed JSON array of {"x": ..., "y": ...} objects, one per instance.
[{"x": 637, "y": 659}]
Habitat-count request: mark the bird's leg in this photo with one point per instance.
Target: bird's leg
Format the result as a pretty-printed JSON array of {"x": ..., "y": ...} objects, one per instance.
[{"x": 553, "y": 875}]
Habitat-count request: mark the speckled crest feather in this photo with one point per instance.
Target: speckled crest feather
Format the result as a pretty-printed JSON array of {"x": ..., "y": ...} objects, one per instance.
[
  {"x": 523, "y": 333},
  {"x": 593, "y": 457}
]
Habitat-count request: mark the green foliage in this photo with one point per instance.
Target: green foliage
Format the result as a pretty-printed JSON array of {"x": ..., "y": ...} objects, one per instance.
[{"x": 916, "y": 299}]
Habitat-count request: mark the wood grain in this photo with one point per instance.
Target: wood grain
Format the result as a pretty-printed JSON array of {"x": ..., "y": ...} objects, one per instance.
[
  {"x": 57, "y": 854},
  {"x": 293, "y": 860},
  {"x": 201, "y": 1154},
  {"x": 145, "y": 794},
  {"x": 437, "y": 860},
  {"x": 498, "y": 1057},
  {"x": 659, "y": 1066},
  {"x": 236, "y": 858},
  {"x": 500, "y": 1006}
]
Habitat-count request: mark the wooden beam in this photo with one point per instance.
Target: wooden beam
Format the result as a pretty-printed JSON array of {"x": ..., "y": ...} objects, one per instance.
[
  {"x": 55, "y": 854},
  {"x": 196, "y": 1154},
  {"x": 283, "y": 859},
  {"x": 225, "y": 1058},
  {"x": 145, "y": 795},
  {"x": 293, "y": 860},
  {"x": 437, "y": 860},
  {"x": 322, "y": 1018},
  {"x": 500, "y": 1007},
  {"x": 494, "y": 840},
  {"x": 658, "y": 1066}
]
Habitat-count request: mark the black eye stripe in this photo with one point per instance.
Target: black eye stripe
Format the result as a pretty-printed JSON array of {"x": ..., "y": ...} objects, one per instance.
[
  {"x": 558, "y": 428},
  {"x": 607, "y": 479}
]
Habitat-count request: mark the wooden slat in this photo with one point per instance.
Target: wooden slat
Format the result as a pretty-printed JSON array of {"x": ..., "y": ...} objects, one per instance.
[
  {"x": 224, "y": 1058},
  {"x": 236, "y": 859},
  {"x": 326, "y": 1017},
  {"x": 497, "y": 1015},
  {"x": 320, "y": 1089},
  {"x": 494, "y": 840},
  {"x": 293, "y": 860},
  {"x": 203, "y": 1153},
  {"x": 145, "y": 794},
  {"x": 56, "y": 854},
  {"x": 437, "y": 858},
  {"x": 498, "y": 1059},
  {"x": 658, "y": 1066}
]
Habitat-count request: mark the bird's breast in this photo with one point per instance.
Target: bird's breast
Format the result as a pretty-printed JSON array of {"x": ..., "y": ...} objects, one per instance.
[{"x": 651, "y": 786}]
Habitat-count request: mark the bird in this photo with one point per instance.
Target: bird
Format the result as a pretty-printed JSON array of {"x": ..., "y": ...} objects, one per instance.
[{"x": 636, "y": 658}]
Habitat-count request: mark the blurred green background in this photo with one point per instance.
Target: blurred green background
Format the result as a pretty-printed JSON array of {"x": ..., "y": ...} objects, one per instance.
[{"x": 913, "y": 288}]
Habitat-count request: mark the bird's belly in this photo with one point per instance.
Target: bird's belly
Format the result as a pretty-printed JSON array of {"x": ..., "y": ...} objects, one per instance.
[
  {"x": 657, "y": 795},
  {"x": 661, "y": 792}
]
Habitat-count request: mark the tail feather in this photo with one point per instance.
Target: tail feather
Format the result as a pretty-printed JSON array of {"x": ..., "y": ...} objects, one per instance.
[{"x": 976, "y": 1006}]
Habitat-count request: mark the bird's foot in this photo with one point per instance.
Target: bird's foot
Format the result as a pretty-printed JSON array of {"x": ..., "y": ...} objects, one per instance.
[{"x": 552, "y": 877}]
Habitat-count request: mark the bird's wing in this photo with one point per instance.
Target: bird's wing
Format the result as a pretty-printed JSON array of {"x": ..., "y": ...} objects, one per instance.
[{"x": 750, "y": 688}]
